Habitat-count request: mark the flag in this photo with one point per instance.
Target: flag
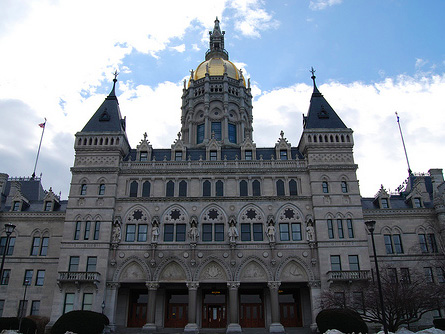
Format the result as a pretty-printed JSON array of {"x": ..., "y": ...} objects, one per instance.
[{"x": 42, "y": 125}]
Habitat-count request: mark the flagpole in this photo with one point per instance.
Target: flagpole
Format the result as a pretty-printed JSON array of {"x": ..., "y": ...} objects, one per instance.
[
  {"x": 38, "y": 151},
  {"x": 403, "y": 142}
]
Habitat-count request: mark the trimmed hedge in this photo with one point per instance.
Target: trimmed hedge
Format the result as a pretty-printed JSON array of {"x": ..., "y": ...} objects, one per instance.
[
  {"x": 342, "y": 319},
  {"x": 439, "y": 323},
  {"x": 40, "y": 322},
  {"x": 83, "y": 322},
  {"x": 28, "y": 326}
]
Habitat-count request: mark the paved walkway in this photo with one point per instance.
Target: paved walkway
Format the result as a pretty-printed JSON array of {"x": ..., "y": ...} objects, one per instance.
[{"x": 212, "y": 331}]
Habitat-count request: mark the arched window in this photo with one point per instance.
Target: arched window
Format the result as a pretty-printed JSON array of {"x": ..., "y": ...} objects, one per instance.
[
  {"x": 200, "y": 133},
  {"x": 170, "y": 189},
  {"x": 243, "y": 188},
  {"x": 134, "y": 189},
  {"x": 146, "y": 189},
  {"x": 219, "y": 188},
  {"x": 293, "y": 187},
  {"x": 206, "y": 188},
  {"x": 325, "y": 187},
  {"x": 280, "y": 188},
  {"x": 232, "y": 133},
  {"x": 183, "y": 188},
  {"x": 256, "y": 188},
  {"x": 344, "y": 187},
  {"x": 101, "y": 189},
  {"x": 83, "y": 189}
]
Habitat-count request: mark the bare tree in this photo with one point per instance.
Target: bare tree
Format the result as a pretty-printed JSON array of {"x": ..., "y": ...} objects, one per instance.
[{"x": 406, "y": 300}]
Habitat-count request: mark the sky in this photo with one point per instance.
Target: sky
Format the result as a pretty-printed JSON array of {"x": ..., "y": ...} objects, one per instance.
[{"x": 372, "y": 58}]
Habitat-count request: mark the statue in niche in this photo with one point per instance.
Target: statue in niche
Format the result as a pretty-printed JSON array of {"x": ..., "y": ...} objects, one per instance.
[
  {"x": 193, "y": 233},
  {"x": 117, "y": 233},
  {"x": 155, "y": 232},
  {"x": 310, "y": 232},
  {"x": 233, "y": 232},
  {"x": 270, "y": 232}
]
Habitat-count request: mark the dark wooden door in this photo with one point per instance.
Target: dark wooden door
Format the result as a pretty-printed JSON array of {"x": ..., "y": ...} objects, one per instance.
[
  {"x": 290, "y": 315},
  {"x": 214, "y": 316},
  {"x": 176, "y": 316},
  {"x": 137, "y": 316},
  {"x": 251, "y": 315}
]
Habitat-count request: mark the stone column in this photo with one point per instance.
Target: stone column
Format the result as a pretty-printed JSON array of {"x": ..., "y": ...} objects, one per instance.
[
  {"x": 111, "y": 304},
  {"x": 150, "y": 326},
  {"x": 192, "y": 327},
  {"x": 234, "y": 326},
  {"x": 315, "y": 291},
  {"x": 275, "y": 326}
]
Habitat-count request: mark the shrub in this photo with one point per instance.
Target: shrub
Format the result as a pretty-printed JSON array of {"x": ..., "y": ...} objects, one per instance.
[
  {"x": 9, "y": 323},
  {"x": 40, "y": 322},
  {"x": 439, "y": 323},
  {"x": 84, "y": 322},
  {"x": 344, "y": 320},
  {"x": 27, "y": 326}
]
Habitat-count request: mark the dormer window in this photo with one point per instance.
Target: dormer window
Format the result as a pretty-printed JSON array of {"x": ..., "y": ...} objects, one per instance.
[
  {"x": 384, "y": 203},
  {"x": 213, "y": 155},
  {"x": 248, "y": 155},
  {"x": 16, "y": 206},
  {"x": 178, "y": 156},
  {"x": 283, "y": 154},
  {"x": 417, "y": 203},
  {"x": 143, "y": 156},
  {"x": 48, "y": 205}
]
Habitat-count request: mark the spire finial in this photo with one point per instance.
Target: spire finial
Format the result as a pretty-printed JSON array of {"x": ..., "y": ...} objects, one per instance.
[
  {"x": 313, "y": 74},
  {"x": 115, "y": 75}
]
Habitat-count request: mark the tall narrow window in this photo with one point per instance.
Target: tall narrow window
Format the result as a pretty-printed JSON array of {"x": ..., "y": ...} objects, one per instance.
[
  {"x": 335, "y": 263},
  {"x": 283, "y": 154},
  {"x": 423, "y": 244},
  {"x": 293, "y": 187},
  {"x": 87, "y": 302},
  {"x": 73, "y": 265},
  {"x": 405, "y": 276},
  {"x": 213, "y": 155},
  {"x": 146, "y": 189},
  {"x": 35, "y": 307},
  {"x": 170, "y": 189},
  {"x": 206, "y": 188},
  {"x": 44, "y": 247},
  {"x": 102, "y": 189},
  {"x": 296, "y": 231},
  {"x": 96, "y": 230},
  {"x": 134, "y": 189},
  {"x": 248, "y": 155},
  {"x": 178, "y": 155},
  {"x": 350, "y": 228},
  {"x": 256, "y": 188},
  {"x": 284, "y": 232},
  {"x": 200, "y": 133},
  {"x": 353, "y": 262},
  {"x": 243, "y": 188},
  {"x": 232, "y": 133},
  {"x": 183, "y": 188},
  {"x": 142, "y": 232},
  {"x": 68, "y": 303},
  {"x": 16, "y": 206},
  {"x": 169, "y": 230},
  {"x": 432, "y": 242},
  {"x": 219, "y": 232},
  {"x": 130, "y": 234},
  {"x": 86, "y": 234},
  {"x": 4, "y": 280},
  {"x": 180, "y": 232},
  {"x": 219, "y": 188},
  {"x": 143, "y": 156},
  {"x": 28, "y": 277},
  {"x": 388, "y": 244},
  {"x": 77, "y": 230},
  {"x": 397, "y": 243},
  {"x": 325, "y": 187},
  {"x": 344, "y": 187},
  {"x": 341, "y": 234},
  {"x": 91, "y": 264},
  {"x": 35, "y": 246},
  {"x": 207, "y": 232},
  {"x": 330, "y": 229},
  {"x": 83, "y": 189},
  {"x": 216, "y": 130},
  {"x": 280, "y": 187},
  {"x": 40, "y": 279},
  {"x": 429, "y": 274},
  {"x": 258, "y": 232},
  {"x": 245, "y": 232}
]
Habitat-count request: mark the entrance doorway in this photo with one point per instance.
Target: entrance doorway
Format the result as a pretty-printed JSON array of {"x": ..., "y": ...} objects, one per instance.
[
  {"x": 137, "y": 312},
  {"x": 290, "y": 308},
  {"x": 214, "y": 310},
  {"x": 176, "y": 309},
  {"x": 252, "y": 309}
]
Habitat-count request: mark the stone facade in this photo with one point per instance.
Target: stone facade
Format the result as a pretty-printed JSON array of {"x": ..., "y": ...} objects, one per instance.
[{"x": 213, "y": 232}]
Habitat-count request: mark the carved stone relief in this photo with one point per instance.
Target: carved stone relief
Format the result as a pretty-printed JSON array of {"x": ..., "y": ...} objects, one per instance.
[
  {"x": 173, "y": 272},
  {"x": 213, "y": 271},
  {"x": 133, "y": 272},
  {"x": 253, "y": 272},
  {"x": 294, "y": 272}
]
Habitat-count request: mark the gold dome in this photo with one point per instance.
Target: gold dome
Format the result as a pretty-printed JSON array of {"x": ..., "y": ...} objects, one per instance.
[{"x": 216, "y": 67}]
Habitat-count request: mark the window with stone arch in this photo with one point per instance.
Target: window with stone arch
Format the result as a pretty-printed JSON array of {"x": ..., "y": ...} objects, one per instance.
[
  {"x": 252, "y": 222},
  {"x": 256, "y": 188},
  {"x": 290, "y": 224},
  {"x": 182, "y": 188},
  {"x": 206, "y": 188},
  {"x": 134, "y": 189},
  {"x": 280, "y": 188},
  {"x": 136, "y": 226},
  {"x": 292, "y": 187},
  {"x": 174, "y": 225},
  {"x": 213, "y": 223}
]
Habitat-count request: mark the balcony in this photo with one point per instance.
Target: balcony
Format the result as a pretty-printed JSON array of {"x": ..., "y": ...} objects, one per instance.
[
  {"x": 78, "y": 278},
  {"x": 348, "y": 276}
]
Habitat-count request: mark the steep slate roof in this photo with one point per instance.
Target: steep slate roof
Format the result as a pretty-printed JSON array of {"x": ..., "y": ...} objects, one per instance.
[
  {"x": 108, "y": 117},
  {"x": 320, "y": 114}
]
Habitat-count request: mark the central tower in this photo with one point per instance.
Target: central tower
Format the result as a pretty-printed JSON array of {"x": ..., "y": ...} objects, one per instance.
[{"x": 216, "y": 103}]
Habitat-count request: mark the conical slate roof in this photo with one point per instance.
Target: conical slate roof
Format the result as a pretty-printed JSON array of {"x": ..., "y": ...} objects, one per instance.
[
  {"x": 320, "y": 114},
  {"x": 108, "y": 117}
]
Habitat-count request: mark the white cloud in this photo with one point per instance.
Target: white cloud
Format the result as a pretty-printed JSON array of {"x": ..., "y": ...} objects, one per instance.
[
  {"x": 323, "y": 4},
  {"x": 178, "y": 48}
]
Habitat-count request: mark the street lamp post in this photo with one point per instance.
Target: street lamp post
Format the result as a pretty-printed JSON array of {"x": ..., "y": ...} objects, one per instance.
[
  {"x": 22, "y": 308},
  {"x": 371, "y": 227},
  {"x": 9, "y": 228}
]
